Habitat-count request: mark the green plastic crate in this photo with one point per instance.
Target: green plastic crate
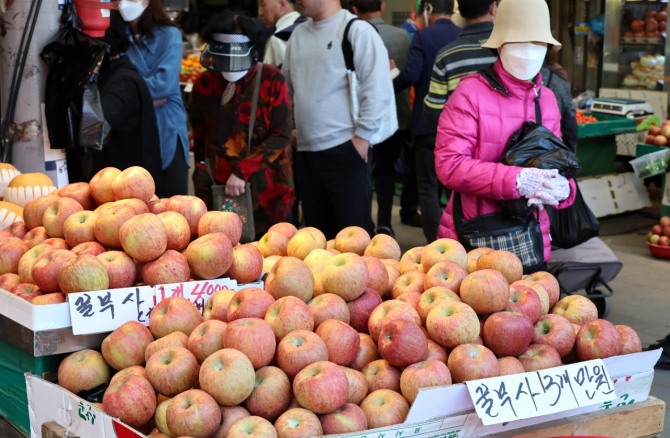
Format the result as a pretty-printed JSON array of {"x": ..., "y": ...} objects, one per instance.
[
  {"x": 644, "y": 149},
  {"x": 14, "y": 363},
  {"x": 607, "y": 124}
]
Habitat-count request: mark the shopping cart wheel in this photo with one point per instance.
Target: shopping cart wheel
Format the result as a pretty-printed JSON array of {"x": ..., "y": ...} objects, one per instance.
[{"x": 603, "y": 306}]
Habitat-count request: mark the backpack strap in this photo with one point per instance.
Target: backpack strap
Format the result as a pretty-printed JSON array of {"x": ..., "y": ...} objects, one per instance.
[{"x": 347, "y": 50}]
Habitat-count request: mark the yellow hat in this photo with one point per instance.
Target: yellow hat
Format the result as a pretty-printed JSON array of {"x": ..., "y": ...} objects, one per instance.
[
  {"x": 28, "y": 186},
  {"x": 7, "y": 173},
  {"x": 9, "y": 213},
  {"x": 521, "y": 21}
]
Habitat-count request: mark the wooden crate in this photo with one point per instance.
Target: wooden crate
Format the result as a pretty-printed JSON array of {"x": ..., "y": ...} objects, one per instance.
[{"x": 638, "y": 420}]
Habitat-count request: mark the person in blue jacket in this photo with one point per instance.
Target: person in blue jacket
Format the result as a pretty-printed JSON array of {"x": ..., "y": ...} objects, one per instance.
[{"x": 156, "y": 51}]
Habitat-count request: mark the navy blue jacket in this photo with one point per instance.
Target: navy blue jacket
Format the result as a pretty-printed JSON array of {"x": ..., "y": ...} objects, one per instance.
[{"x": 426, "y": 43}]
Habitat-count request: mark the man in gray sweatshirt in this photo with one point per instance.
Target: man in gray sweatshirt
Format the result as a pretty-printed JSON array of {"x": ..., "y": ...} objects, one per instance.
[{"x": 333, "y": 176}]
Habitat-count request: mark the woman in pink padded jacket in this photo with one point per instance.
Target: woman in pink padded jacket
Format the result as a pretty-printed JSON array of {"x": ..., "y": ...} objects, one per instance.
[{"x": 484, "y": 111}]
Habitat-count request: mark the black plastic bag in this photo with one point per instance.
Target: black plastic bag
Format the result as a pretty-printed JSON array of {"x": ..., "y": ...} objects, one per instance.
[
  {"x": 573, "y": 225},
  {"x": 533, "y": 145},
  {"x": 74, "y": 60}
]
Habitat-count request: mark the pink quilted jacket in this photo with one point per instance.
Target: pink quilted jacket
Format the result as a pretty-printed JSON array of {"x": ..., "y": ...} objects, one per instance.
[{"x": 477, "y": 121}]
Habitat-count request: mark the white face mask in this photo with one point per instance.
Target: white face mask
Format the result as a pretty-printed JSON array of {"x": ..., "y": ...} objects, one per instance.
[
  {"x": 130, "y": 10},
  {"x": 522, "y": 60},
  {"x": 234, "y": 76}
]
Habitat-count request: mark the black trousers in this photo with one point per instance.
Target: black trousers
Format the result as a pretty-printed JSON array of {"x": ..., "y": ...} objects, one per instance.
[
  {"x": 335, "y": 189},
  {"x": 384, "y": 176},
  {"x": 174, "y": 179}
]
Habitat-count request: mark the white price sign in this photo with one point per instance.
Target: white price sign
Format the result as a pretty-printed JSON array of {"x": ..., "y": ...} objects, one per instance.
[
  {"x": 197, "y": 292},
  {"x": 106, "y": 310},
  {"x": 519, "y": 396}
]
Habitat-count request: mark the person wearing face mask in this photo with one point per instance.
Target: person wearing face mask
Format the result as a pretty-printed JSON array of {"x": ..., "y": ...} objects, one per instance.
[
  {"x": 156, "y": 51},
  {"x": 483, "y": 112},
  {"x": 221, "y": 101}
]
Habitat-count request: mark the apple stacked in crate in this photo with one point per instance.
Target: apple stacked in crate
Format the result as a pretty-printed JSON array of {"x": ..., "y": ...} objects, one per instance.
[
  {"x": 340, "y": 339},
  {"x": 659, "y": 136},
  {"x": 113, "y": 232}
]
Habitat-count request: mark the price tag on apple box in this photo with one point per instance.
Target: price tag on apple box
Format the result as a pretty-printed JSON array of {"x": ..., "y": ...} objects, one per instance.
[
  {"x": 106, "y": 310},
  {"x": 526, "y": 395},
  {"x": 197, "y": 292}
]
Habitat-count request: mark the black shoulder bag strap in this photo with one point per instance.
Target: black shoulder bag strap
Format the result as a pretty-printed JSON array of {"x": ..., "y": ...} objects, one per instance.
[{"x": 347, "y": 50}]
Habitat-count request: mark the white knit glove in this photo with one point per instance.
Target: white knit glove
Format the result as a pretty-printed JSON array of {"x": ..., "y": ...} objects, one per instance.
[
  {"x": 530, "y": 181},
  {"x": 554, "y": 190}
]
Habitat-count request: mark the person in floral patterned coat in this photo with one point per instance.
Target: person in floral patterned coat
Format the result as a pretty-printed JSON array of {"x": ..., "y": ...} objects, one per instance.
[{"x": 220, "y": 108}]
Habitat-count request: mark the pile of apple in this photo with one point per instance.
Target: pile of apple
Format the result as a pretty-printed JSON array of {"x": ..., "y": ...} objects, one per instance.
[
  {"x": 340, "y": 339},
  {"x": 660, "y": 233},
  {"x": 659, "y": 136},
  {"x": 650, "y": 25},
  {"x": 113, "y": 232}
]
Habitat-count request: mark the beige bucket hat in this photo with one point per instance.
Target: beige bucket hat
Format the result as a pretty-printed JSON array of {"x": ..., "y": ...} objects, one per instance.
[{"x": 520, "y": 21}]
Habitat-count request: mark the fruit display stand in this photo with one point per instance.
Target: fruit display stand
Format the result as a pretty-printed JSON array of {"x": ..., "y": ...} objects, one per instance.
[
  {"x": 645, "y": 149},
  {"x": 441, "y": 411},
  {"x": 596, "y": 143}
]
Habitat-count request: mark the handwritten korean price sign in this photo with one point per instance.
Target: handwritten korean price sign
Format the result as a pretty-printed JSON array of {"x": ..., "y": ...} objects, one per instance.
[
  {"x": 104, "y": 311},
  {"x": 197, "y": 292},
  {"x": 526, "y": 395}
]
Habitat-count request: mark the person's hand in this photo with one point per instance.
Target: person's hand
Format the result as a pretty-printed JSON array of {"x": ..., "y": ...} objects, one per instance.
[
  {"x": 554, "y": 190},
  {"x": 235, "y": 186},
  {"x": 530, "y": 181},
  {"x": 362, "y": 147}
]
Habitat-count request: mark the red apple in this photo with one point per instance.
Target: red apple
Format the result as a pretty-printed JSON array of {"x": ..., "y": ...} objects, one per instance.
[
  {"x": 342, "y": 341},
  {"x": 630, "y": 341},
  {"x": 81, "y": 274},
  {"x": 92, "y": 248},
  {"x": 100, "y": 185},
  {"x": 412, "y": 281},
  {"x": 174, "y": 314},
  {"x": 133, "y": 182},
  {"x": 9, "y": 280},
  {"x": 367, "y": 352},
  {"x": 576, "y": 308},
  {"x": 298, "y": 349},
  {"x": 191, "y": 207},
  {"x": 550, "y": 284},
  {"x": 358, "y": 385},
  {"x": 143, "y": 237},
  {"x": 381, "y": 375},
  {"x": 486, "y": 290},
  {"x": 556, "y": 331},
  {"x": 172, "y": 370},
  {"x": 384, "y": 407},
  {"x": 509, "y": 365},
  {"x": 378, "y": 277},
  {"x": 253, "y": 425},
  {"x": 253, "y": 337},
  {"x": 290, "y": 276},
  {"x": 250, "y": 302},
  {"x": 229, "y": 415},
  {"x": 402, "y": 343},
  {"x": 11, "y": 252},
  {"x": 507, "y": 333},
  {"x": 224, "y": 222},
  {"x": 346, "y": 419},
  {"x": 171, "y": 267},
  {"x": 28, "y": 259},
  {"x": 453, "y": 323},
  {"x": 321, "y": 387},
  {"x": 193, "y": 413},
  {"x": 35, "y": 236},
  {"x": 174, "y": 339},
  {"x": 273, "y": 243},
  {"x": 228, "y": 376},
  {"x": 45, "y": 299},
  {"x": 33, "y": 211},
  {"x": 120, "y": 268},
  {"x": 345, "y": 275},
  {"x": 131, "y": 399},
  {"x": 446, "y": 274},
  {"x": 444, "y": 249},
  {"x": 388, "y": 311},
  {"x": 286, "y": 228},
  {"x": 504, "y": 261},
  {"x": 108, "y": 223},
  {"x": 206, "y": 338},
  {"x": 298, "y": 423},
  {"x": 209, "y": 256},
  {"x": 472, "y": 257},
  {"x": 178, "y": 230},
  {"x": 361, "y": 308},
  {"x": 287, "y": 314},
  {"x": 57, "y": 213},
  {"x": 304, "y": 241},
  {"x": 78, "y": 227},
  {"x": 247, "y": 264},
  {"x": 271, "y": 395},
  {"x": 436, "y": 351},
  {"x": 138, "y": 205},
  {"x": 525, "y": 300},
  {"x": 539, "y": 357},
  {"x": 597, "y": 339},
  {"x": 352, "y": 239},
  {"x": 520, "y": 286},
  {"x": 383, "y": 246},
  {"x": 411, "y": 260},
  {"x": 424, "y": 374},
  {"x": 472, "y": 362},
  {"x": 125, "y": 346},
  {"x": 82, "y": 371},
  {"x": 432, "y": 297},
  {"x": 328, "y": 306},
  {"x": 80, "y": 192},
  {"x": 216, "y": 306}
]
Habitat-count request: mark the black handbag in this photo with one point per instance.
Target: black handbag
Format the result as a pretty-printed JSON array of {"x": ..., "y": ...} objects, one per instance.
[
  {"x": 521, "y": 236},
  {"x": 573, "y": 225},
  {"x": 533, "y": 145}
]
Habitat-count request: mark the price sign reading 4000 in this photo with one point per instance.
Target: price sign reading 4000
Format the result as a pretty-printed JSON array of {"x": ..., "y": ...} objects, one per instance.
[{"x": 518, "y": 396}]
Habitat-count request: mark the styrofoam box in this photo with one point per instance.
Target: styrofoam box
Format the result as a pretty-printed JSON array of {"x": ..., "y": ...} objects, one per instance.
[{"x": 447, "y": 410}]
